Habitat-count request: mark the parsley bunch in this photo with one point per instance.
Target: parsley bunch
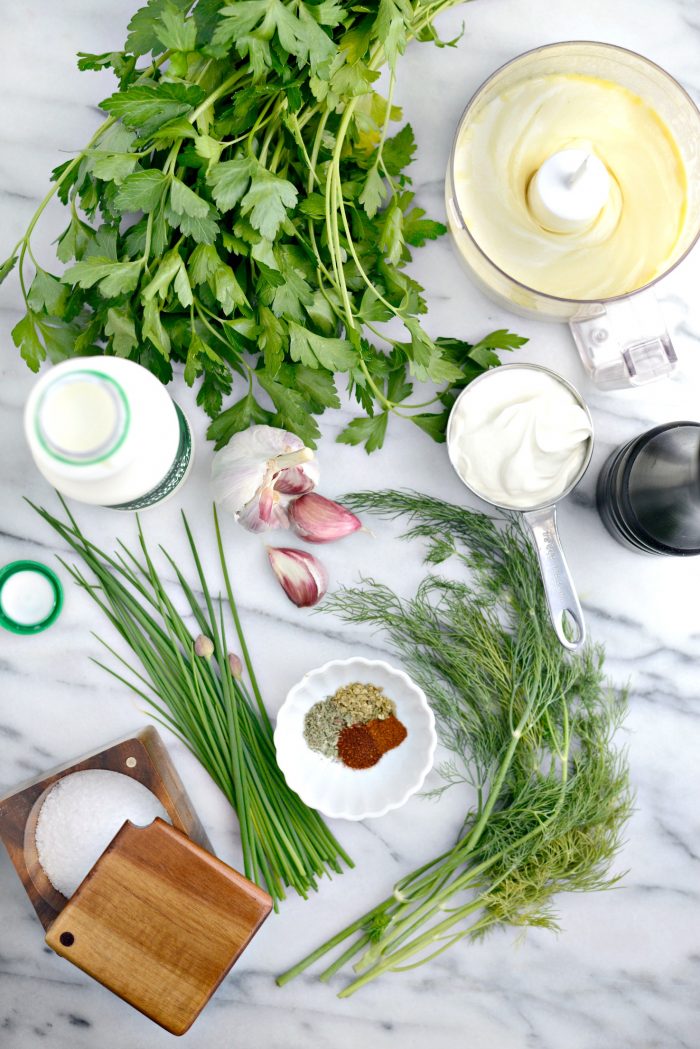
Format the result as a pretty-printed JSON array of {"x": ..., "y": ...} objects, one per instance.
[{"x": 244, "y": 211}]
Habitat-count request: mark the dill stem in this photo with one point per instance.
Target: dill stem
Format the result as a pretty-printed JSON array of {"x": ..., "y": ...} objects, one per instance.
[
  {"x": 434, "y": 903},
  {"x": 411, "y": 948},
  {"x": 344, "y": 957},
  {"x": 339, "y": 938}
]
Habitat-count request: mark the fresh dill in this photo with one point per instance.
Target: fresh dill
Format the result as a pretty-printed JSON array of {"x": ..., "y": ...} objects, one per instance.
[{"x": 530, "y": 727}]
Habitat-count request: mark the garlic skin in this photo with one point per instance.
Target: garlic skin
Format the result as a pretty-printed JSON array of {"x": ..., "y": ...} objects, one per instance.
[
  {"x": 302, "y": 576},
  {"x": 244, "y": 475},
  {"x": 320, "y": 520}
]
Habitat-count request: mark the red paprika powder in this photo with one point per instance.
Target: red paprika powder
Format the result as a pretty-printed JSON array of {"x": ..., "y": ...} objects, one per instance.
[{"x": 356, "y": 747}]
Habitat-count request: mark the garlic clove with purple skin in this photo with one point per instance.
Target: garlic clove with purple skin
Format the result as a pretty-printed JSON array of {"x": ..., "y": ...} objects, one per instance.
[
  {"x": 320, "y": 520},
  {"x": 302, "y": 576},
  {"x": 296, "y": 480},
  {"x": 263, "y": 512},
  {"x": 244, "y": 473}
]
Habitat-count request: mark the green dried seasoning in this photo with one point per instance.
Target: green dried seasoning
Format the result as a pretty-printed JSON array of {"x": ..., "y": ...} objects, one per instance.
[
  {"x": 363, "y": 702},
  {"x": 351, "y": 704},
  {"x": 322, "y": 725}
]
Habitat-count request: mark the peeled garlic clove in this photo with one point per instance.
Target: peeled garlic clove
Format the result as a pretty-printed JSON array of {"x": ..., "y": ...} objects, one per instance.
[
  {"x": 302, "y": 576},
  {"x": 296, "y": 480},
  {"x": 320, "y": 520}
]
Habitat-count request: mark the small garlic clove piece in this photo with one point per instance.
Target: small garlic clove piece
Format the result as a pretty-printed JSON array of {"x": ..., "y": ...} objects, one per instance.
[
  {"x": 302, "y": 576},
  {"x": 264, "y": 511},
  {"x": 296, "y": 480},
  {"x": 320, "y": 520}
]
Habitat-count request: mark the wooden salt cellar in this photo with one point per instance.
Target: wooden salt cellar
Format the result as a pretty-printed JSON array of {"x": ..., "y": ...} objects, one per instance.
[{"x": 158, "y": 920}]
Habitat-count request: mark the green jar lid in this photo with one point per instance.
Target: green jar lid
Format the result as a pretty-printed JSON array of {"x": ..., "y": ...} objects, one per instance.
[{"x": 31, "y": 597}]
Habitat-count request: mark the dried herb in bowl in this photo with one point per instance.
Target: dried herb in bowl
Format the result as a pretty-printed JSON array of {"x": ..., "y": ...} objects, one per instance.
[{"x": 356, "y": 725}]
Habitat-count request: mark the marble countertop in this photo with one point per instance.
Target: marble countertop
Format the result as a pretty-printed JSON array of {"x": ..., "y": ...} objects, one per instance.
[{"x": 624, "y": 971}]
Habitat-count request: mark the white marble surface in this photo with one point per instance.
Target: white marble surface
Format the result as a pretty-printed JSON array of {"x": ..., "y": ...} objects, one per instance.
[{"x": 625, "y": 970}]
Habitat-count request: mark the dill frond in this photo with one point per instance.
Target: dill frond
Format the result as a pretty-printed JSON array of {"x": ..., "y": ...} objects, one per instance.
[{"x": 530, "y": 728}]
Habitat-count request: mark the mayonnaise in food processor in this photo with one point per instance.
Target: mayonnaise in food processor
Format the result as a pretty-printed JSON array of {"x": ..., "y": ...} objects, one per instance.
[
  {"x": 573, "y": 187},
  {"x": 638, "y": 209}
]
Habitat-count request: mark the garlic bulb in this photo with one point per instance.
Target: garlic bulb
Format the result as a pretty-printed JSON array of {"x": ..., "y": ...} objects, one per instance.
[{"x": 256, "y": 471}]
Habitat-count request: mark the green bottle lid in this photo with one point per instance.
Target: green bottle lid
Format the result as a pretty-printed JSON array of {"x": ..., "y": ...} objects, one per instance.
[{"x": 31, "y": 597}]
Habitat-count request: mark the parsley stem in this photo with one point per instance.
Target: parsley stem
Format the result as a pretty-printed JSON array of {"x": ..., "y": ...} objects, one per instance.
[
  {"x": 269, "y": 135},
  {"x": 389, "y": 405},
  {"x": 333, "y": 201},
  {"x": 201, "y": 310},
  {"x": 43, "y": 203},
  {"x": 423, "y": 404},
  {"x": 211, "y": 98},
  {"x": 267, "y": 113}
]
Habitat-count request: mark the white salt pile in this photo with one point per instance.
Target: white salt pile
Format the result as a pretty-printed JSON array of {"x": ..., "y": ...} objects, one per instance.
[{"x": 81, "y": 815}]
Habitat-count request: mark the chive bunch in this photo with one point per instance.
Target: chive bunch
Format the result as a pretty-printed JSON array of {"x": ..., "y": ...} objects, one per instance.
[{"x": 208, "y": 707}]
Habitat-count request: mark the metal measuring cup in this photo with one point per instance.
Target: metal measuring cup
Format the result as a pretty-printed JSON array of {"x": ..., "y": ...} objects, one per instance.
[{"x": 560, "y": 592}]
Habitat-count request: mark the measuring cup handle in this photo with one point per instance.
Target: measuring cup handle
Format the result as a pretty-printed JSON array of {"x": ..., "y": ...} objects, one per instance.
[
  {"x": 559, "y": 588},
  {"x": 624, "y": 343}
]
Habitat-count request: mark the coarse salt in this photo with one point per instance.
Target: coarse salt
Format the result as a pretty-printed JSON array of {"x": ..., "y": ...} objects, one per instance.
[{"x": 81, "y": 815}]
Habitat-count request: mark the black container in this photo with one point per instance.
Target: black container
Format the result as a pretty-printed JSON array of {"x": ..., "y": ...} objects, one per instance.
[{"x": 649, "y": 491}]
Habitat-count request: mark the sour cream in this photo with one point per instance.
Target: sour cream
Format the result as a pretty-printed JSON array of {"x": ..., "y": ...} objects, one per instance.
[{"x": 518, "y": 437}]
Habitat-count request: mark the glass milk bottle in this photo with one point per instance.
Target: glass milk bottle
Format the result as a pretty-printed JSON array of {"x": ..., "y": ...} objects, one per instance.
[{"x": 104, "y": 430}]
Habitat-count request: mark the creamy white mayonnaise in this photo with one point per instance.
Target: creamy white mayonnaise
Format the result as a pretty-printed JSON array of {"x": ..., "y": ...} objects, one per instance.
[
  {"x": 518, "y": 437},
  {"x": 637, "y": 233}
]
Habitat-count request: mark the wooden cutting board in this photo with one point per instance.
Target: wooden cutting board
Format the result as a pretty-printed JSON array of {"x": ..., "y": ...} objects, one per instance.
[
  {"x": 160, "y": 922},
  {"x": 142, "y": 757}
]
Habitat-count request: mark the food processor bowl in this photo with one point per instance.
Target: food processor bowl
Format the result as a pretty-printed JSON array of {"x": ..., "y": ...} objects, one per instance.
[{"x": 622, "y": 340}]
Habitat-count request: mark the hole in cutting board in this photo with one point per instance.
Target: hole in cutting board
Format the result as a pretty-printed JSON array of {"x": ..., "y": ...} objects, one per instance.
[{"x": 67, "y": 939}]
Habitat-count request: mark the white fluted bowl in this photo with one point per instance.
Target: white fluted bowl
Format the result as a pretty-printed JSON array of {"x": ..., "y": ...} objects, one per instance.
[{"x": 331, "y": 787}]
